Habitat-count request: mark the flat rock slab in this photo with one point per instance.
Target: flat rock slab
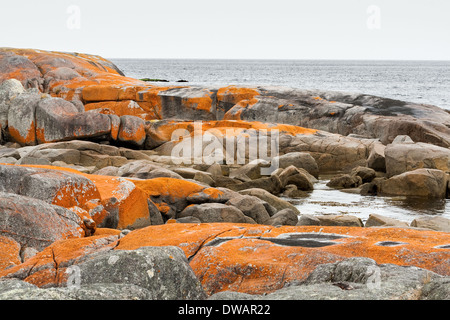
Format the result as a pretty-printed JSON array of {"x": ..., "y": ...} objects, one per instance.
[{"x": 257, "y": 259}]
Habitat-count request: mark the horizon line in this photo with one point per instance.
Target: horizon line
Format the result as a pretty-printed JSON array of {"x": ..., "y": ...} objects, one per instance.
[{"x": 287, "y": 59}]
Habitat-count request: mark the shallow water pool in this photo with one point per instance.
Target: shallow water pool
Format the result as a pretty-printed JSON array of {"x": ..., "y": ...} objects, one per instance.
[{"x": 325, "y": 200}]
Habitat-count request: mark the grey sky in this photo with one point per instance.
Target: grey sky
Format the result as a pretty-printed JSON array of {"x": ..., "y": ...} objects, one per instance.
[{"x": 276, "y": 29}]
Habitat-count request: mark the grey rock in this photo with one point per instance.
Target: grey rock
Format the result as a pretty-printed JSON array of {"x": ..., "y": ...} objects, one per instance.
[
  {"x": 271, "y": 184},
  {"x": 362, "y": 279},
  {"x": 58, "y": 120},
  {"x": 34, "y": 223},
  {"x": 403, "y": 157},
  {"x": 276, "y": 202},
  {"x": 22, "y": 117},
  {"x": 376, "y": 220},
  {"x": 302, "y": 160},
  {"x": 340, "y": 220},
  {"x": 308, "y": 220},
  {"x": 253, "y": 207},
  {"x": 8, "y": 90},
  {"x": 432, "y": 222},
  {"x": 427, "y": 183},
  {"x": 376, "y": 159},
  {"x": 163, "y": 271},
  {"x": 285, "y": 217},
  {"x": 298, "y": 177},
  {"x": 155, "y": 215},
  {"x": 214, "y": 212},
  {"x": 345, "y": 181},
  {"x": 89, "y": 292},
  {"x": 366, "y": 174}
]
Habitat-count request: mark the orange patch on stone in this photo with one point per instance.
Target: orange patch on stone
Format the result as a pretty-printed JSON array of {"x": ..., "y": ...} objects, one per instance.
[
  {"x": 48, "y": 267},
  {"x": 9, "y": 253},
  {"x": 247, "y": 261},
  {"x": 233, "y": 94},
  {"x": 170, "y": 187}
]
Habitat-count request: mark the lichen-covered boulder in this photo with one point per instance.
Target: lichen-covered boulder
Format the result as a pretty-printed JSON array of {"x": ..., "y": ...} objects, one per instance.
[{"x": 59, "y": 120}]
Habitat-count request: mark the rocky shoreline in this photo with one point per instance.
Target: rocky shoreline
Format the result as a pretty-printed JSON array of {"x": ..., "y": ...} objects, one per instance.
[{"x": 100, "y": 172}]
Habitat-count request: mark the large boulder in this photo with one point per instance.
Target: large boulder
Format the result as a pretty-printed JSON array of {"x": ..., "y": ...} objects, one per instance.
[
  {"x": 299, "y": 160},
  {"x": 428, "y": 183},
  {"x": 253, "y": 207},
  {"x": 35, "y": 224},
  {"x": 276, "y": 202},
  {"x": 214, "y": 212},
  {"x": 22, "y": 117},
  {"x": 57, "y": 187},
  {"x": 164, "y": 271},
  {"x": 402, "y": 157},
  {"x": 132, "y": 130},
  {"x": 363, "y": 279},
  {"x": 59, "y": 120},
  {"x": 8, "y": 90},
  {"x": 430, "y": 222}
]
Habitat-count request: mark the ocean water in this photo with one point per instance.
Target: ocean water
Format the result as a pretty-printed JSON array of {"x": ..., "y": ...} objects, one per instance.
[{"x": 425, "y": 82}]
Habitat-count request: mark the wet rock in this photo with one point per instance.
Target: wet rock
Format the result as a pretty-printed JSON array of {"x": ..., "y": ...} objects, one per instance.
[
  {"x": 366, "y": 174},
  {"x": 345, "y": 181},
  {"x": 298, "y": 177}
]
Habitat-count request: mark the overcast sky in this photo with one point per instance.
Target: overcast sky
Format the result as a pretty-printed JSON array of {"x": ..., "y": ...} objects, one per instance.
[{"x": 232, "y": 29}]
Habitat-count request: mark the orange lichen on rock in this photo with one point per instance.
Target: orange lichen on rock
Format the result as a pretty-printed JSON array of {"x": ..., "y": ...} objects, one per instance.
[
  {"x": 48, "y": 267},
  {"x": 119, "y": 108},
  {"x": 248, "y": 261},
  {"x": 131, "y": 201},
  {"x": 235, "y": 112},
  {"x": 9, "y": 253},
  {"x": 234, "y": 94},
  {"x": 168, "y": 187},
  {"x": 198, "y": 103},
  {"x": 150, "y": 101},
  {"x": 27, "y": 139},
  {"x": 162, "y": 132}
]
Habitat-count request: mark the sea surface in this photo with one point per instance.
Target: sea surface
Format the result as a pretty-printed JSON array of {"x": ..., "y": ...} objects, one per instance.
[{"x": 426, "y": 82}]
